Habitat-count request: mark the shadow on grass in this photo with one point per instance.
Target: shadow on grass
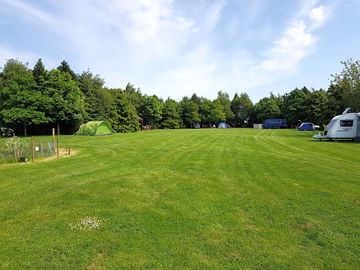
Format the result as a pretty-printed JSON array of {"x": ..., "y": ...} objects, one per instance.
[{"x": 334, "y": 141}]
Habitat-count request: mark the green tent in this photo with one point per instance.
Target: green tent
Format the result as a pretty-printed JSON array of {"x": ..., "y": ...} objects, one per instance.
[{"x": 95, "y": 128}]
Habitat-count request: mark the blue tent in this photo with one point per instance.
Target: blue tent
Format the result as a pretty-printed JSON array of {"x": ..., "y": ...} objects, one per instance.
[{"x": 223, "y": 125}]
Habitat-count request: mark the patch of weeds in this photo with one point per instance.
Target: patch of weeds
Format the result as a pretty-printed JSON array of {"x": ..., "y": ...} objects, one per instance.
[
  {"x": 304, "y": 226},
  {"x": 311, "y": 232},
  {"x": 13, "y": 149},
  {"x": 87, "y": 224}
]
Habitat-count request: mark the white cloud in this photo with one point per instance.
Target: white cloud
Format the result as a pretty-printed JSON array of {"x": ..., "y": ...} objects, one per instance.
[
  {"x": 319, "y": 15},
  {"x": 213, "y": 16},
  {"x": 168, "y": 50},
  {"x": 295, "y": 44},
  {"x": 298, "y": 39}
]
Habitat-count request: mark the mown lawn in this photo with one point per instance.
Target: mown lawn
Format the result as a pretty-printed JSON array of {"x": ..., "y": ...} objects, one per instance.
[{"x": 186, "y": 199}]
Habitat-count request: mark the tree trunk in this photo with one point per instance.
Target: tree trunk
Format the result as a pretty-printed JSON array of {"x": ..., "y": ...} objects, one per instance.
[
  {"x": 58, "y": 129},
  {"x": 25, "y": 131}
]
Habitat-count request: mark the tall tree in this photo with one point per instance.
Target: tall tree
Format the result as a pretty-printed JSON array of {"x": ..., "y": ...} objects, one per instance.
[
  {"x": 39, "y": 72},
  {"x": 317, "y": 107},
  {"x": 65, "y": 67},
  {"x": 242, "y": 107},
  {"x": 67, "y": 101},
  {"x": 195, "y": 98},
  {"x": 336, "y": 102},
  {"x": 295, "y": 105},
  {"x": 170, "y": 115},
  {"x": 135, "y": 97},
  {"x": 224, "y": 100},
  {"x": 189, "y": 113},
  {"x": 211, "y": 112},
  {"x": 348, "y": 82},
  {"x": 21, "y": 102},
  {"x": 96, "y": 100},
  {"x": 122, "y": 115},
  {"x": 151, "y": 111},
  {"x": 267, "y": 107}
]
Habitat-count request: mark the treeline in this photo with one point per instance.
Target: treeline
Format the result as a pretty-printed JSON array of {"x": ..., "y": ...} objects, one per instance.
[{"x": 37, "y": 99}]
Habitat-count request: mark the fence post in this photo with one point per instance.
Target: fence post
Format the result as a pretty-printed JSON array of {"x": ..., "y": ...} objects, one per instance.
[
  {"x": 53, "y": 138},
  {"x": 57, "y": 142},
  {"x": 32, "y": 149}
]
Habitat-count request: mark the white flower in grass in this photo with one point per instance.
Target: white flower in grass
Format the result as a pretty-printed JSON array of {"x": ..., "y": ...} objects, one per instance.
[{"x": 87, "y": 223}]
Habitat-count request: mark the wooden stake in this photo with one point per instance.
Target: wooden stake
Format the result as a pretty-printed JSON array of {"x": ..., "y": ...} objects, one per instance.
[
  {"x": 53, "y": 139},
  {"x": 57, "y": 142},
  {"x": 32, "y": 149}
]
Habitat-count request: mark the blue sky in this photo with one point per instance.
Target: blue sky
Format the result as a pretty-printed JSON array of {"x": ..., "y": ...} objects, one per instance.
[{"x": 175, "y": 48}]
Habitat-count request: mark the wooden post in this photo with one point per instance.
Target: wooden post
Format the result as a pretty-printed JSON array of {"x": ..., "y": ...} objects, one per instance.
[
  {"x": 57, "y": 142},
  {"x": 32, "y": 149},
  {"x": 53, "y": 139},
  {"x": 69, "y": 151}
]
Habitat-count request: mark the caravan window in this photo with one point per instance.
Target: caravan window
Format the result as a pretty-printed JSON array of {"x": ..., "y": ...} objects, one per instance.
[
  {"x": 332, "y": 122},
  {"x": 346, "y": 123}
]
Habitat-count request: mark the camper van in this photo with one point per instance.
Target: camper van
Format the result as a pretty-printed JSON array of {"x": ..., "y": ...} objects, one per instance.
[{"x": 344, "y": 126}]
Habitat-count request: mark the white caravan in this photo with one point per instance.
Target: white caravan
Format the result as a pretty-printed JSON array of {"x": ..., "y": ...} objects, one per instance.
[{"x": 344, "y": 126}]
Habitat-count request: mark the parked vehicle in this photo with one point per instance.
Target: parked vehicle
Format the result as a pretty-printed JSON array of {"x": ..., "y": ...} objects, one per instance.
[
  {"x": 307, "y": 126},
  {"x": 275, "y": 123},
  {"x": 344, "y": 126}
]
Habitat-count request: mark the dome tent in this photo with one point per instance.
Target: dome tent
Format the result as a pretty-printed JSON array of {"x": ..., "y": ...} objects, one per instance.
[
  {"x": 95, "y": 128},
  {"x": 223, "y": 125}
]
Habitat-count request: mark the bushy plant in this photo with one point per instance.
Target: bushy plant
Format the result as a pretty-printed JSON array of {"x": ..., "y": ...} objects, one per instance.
[{"x": 15, "y": 147}]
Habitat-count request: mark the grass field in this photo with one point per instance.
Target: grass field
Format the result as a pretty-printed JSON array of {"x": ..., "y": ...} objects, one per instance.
[{"x": 185, "y": 199}]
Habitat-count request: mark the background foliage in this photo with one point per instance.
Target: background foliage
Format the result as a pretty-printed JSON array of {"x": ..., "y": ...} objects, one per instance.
[{"x": 37, "y": 99}]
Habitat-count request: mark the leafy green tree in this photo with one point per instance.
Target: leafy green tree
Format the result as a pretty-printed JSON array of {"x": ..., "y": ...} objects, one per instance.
[
  {"x": 224, "y": 100},
  {"x": 39, "y": 72},
  {"x": 170, "y": 115},
  {"x": 195, "y": 98},
  {"x": 217, "y": 114},
  {"x": 67, "y": 101},
  {"x": 96, "y": 98},
  {"x": 122, "y": 114},
  {"x": 317, "y": 110},
  {"x": 267, "y": 107},
  {"x": 21, "y": 103},
  {"x": 135, "y": 97},
  {"x": 189, "y": 112},
  {"x": 348, "y": 83},
  {"x": 295, "y": 105},
  {"x": 151, "y": 110},
  {"x": 211, "y": 112},
  {"x": 336, "y": 102},
  {"x": 242, "y": 107},
  {"x": 65, "y": 67}
]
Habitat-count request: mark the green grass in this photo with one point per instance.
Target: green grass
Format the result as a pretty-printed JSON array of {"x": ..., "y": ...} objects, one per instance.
[{"x": 186, "y": 199}]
